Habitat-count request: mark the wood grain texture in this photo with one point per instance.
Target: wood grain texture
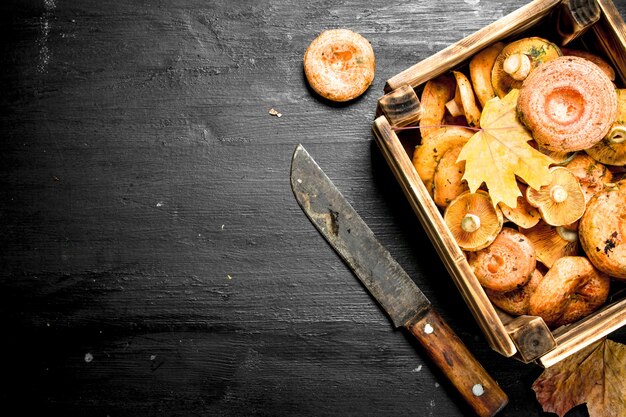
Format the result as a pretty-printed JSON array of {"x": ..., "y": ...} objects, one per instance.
[
  {"x": 449, "y": 353},
  {"x": 154, "y": 260}
]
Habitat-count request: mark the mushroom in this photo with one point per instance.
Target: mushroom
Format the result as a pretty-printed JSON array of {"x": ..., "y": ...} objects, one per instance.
[
  {"x": 437, "y": 92},
  {"x": 588, "y": 299},
  {"x": 605, "y": 66},
  {"x": 517, "y": 66},
  {"x": 592, "y": 175},
  {"x": 552, "y": 242},
  {"x": 516, "y": 302},
  {"x": 602, "y": 230},
  {"x": 467, "y": 99},
  {"x": 506, "y": 264},
  {"x": 473, "y": 220},
  {"x": 562, "y": 201},
  {"x": 517, "y": 60},
  {"x": 523, "y": 215},
  {"x": 339, "y": 64},
  {"x": 611, "y": 150},
  {"x": 568, "y": 104},
  {"x": 448, "y": 180},
  {"x": 480, "y": 67},
  {"x": 433, "y": 147},
  {"x": 571, "y": 289}
]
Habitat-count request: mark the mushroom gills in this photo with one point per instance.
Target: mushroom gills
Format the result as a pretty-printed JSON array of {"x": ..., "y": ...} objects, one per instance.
[
  {"x": 561, "y": 202},
  {"x": 536, "y": 51},
  {"x": 473, "y": 220}
]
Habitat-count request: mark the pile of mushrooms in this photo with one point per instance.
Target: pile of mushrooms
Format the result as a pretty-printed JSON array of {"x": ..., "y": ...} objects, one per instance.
[{"x": 555, "y": 254}]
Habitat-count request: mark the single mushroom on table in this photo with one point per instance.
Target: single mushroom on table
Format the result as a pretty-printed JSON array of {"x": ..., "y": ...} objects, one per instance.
[
  {"x": 517, "y": 60},
  {"x": 568, "y": 104},
  {"x": 602, "y": 230},
  {"x": 561, "y": 202},
  {"x": 448, "y": 180},
  {"x": 506, "y": 264},
  {"x": 569, "y": 291},
  {"x": 473, "y": 220}
]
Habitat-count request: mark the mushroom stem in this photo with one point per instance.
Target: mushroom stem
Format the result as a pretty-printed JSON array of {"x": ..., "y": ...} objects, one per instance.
[
  {"x": 517, "y": 66},
  {"x": 567, "y": 234},
  {"x": 558, "y": 194},
  {"x": 470, "y": 223},
  {"x": 454, "y": 108},
  {"x": 617, "y": 134}
]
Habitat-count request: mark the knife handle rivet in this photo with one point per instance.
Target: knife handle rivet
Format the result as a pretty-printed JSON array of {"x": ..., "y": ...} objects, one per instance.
[
  {"x": 478, "y": 390},
  {"x": 428, "y": 329}
]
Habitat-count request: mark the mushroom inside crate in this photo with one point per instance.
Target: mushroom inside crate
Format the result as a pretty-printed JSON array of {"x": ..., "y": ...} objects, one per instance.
[{"x": 560, "y": 229}]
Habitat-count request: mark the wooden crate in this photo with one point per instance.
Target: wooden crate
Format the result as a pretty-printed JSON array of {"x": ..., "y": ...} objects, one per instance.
[{"x": 598, "y": 26}]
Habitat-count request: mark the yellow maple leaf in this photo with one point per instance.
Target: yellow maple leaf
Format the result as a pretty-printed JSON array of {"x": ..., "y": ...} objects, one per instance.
[
  {"x": 596, "y": 376},
  {"x": 500, "y": 151}
]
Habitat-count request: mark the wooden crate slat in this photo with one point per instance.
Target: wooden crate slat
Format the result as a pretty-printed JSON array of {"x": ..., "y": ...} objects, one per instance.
[
  {"x": 442, "y": 61},
  {"x": 445, "y": 245},
  {"x": 608, "y": 37}
]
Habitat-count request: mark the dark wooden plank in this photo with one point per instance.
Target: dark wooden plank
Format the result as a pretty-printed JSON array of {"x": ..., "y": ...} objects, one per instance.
[{"x": 154, "y": 261}]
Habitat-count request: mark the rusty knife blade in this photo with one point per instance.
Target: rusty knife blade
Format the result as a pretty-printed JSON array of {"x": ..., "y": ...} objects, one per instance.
[{"x": 355, "y": 242}]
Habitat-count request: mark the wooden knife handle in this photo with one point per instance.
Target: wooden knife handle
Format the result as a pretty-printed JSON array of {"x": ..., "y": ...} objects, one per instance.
[{"x": 449, "y": 353}]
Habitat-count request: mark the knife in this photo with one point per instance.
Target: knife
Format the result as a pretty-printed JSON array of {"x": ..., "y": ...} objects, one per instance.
[{"x": 390, "y": 285}]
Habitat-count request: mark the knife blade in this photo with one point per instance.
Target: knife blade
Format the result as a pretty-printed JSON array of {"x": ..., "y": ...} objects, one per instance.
[{"x": 396, "y": 293}]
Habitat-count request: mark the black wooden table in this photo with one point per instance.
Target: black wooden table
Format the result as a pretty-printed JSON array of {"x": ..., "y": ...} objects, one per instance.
[{"x": 154, "y": 260}]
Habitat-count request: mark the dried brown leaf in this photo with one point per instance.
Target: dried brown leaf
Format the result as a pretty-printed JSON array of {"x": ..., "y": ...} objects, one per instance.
[{"x": 596, "y": 376}]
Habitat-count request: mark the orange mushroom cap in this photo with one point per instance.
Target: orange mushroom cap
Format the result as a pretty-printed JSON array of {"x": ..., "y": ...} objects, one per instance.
[
  {"x": 448, "y": 180},
  {"x": 339, "y": 64},
  {"x": 523, "y": 215},
  {"x": 568, "y": 104},
  {"x": 571, "y": 278},
  {"x": 506, "y": 264},
  {"x": 516, "y": 302},
  {"x": 602, "y": 230}
]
